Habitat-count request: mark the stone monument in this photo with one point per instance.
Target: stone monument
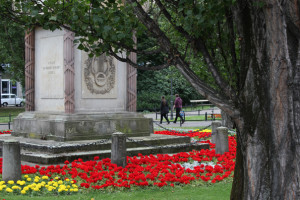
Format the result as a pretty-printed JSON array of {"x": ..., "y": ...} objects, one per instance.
[{"x": 71, "y": 96}]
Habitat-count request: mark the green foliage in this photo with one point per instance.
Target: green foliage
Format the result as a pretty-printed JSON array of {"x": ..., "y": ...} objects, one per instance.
[
  {"x": 12, "y": 48},
  {"x": 152, "y": 85},
  {"x": 148, "y": 101}
]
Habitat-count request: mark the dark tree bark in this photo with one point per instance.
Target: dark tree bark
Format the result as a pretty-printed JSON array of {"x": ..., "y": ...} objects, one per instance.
[{"x": 268, "y": 157}]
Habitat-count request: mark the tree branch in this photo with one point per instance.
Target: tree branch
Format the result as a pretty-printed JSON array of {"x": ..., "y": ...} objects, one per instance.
[
  {"x": 219, "y": 80},
  {"x": 133, "y": 64},
  {"x": 169, "y": 17},
  {"x": 183, "y": 67}
]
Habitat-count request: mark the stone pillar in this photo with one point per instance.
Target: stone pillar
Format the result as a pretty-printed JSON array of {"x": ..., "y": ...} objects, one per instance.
[
  {"x": 29, "y": 70},
  {"x": 69, "y": 72},
  {"x": 11, "y": 169},
  {"x": 131, "y": 82},
  {"x": 222, "y": 140},
  {"x": 214, "y": 126},
  {"x": 118, "y": 149}
]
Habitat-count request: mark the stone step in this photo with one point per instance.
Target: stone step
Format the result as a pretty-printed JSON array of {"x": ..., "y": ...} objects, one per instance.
[
  {"x": 47, "y": 158},
  {"x": 54, "y": 147}
]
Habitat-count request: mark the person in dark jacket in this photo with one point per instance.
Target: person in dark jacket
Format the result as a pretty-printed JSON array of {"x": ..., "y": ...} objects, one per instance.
[
  {"x": 178, "y": 107},
  {"x": 164, "y": 110}
]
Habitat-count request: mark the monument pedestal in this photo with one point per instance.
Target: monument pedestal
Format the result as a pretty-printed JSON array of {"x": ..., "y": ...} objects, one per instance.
[
  {"x": 74, "y": 103},
  {"x": 80, "y": 126}
]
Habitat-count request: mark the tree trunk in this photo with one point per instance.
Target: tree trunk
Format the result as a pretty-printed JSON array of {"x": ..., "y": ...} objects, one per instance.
[
  {"x": 227, "y": 120},
  {"x": 268, "y": 155}
]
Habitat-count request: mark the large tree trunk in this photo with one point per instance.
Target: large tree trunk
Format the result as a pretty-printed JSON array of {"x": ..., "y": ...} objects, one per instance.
[{"x": 268, "y": 157}]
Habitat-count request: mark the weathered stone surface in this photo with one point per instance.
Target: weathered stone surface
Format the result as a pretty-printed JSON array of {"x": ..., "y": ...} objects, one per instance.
[
  {"x": 53, "y": 152},
  {"x": 222, "y": 140},
  {"x": 118, "y": 149},
  {"x": 214, "y": 126},
  {"x": 11, "y": 169},
  {"x": 80, "y": 126}
]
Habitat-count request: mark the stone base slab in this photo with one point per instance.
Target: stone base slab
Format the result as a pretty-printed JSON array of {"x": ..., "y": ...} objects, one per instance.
[
  {"x": 80, "y": 126},
  {"x": 52, "y": 152}
]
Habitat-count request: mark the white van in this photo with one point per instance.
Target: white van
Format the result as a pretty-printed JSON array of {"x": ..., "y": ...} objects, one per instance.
[{"x": 11, "y": 99}]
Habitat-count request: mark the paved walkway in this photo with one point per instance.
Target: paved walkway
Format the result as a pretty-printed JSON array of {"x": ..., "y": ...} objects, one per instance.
[
  {"x": 171, "y": 125},
  {"x": 186, "y": 123}
]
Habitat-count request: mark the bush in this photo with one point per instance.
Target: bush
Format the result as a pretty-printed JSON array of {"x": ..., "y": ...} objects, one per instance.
[{"x": 150, "y": 101}]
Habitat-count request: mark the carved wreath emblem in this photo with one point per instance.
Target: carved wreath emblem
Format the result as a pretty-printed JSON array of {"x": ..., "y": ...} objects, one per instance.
[{"x": 99, "y": 74}]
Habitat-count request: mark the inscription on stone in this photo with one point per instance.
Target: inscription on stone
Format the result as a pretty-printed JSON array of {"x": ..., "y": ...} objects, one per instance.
[{"x": 52, "y": 68}]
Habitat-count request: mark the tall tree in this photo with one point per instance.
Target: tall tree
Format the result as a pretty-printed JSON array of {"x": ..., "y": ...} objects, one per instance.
[{"x": 251, "y": 54}]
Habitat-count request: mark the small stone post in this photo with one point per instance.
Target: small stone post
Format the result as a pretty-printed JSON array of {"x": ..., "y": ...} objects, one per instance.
[
  {"x": 214, "y": 126},
  {"x": 222, "y": 140},
  {"x": 118, "y": 149},
  {"x": 11, "y": 169}
]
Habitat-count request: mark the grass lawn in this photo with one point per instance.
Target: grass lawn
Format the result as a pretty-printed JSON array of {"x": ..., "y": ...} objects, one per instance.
[
  {"x": 199, "y": 118},
  {"x": 217, "y": 191},
  {"x": 5, "y": 111},
  {"x": 197, "y": 107}
]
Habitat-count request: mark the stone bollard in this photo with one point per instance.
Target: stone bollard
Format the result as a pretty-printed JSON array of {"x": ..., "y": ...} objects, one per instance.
[
  {"x": 214, "y": 126},
  {"x": 118, "y": 149},
  {"x": 11, "y": 169},
  {"x": 222, "y": 140}
]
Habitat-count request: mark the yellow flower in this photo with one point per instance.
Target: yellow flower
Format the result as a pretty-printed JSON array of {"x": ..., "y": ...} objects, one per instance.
[
  {"x": 60, "y": 182},
  {"x": 56, "y": 178},
  {"x": 67, "y": 179},
  {"x": 62, "y": 187},
  {"x": 26, "y": 176},
  {"x": 9, "y": 190},
  {"x": 74, "y": 186},
  {"x": 28, "y": 179},
  {"x": 75, "y": 190},
  {"x": 45, "y": 177},
  {"x": 23, "y": 192},
  {"x": 10, "y": 182},
  {"x": 71, "y": 190},
  {"x": 68, "y": 187},
  {"x": 15, "y": 187},
  {"x": 36, "y": 180},
  {"x": 59, "y": 190},
  {"x": 26, "y": 188},
  {"x": 36, "y": 177},
  {"x": 72, "y": 182},
  {"x": 2, "y": 182}
]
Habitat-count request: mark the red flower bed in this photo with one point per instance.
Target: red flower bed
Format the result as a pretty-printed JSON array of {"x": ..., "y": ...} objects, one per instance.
[
  {"x": 145, "y": 170},
  {"x": 5, "y": 132}
]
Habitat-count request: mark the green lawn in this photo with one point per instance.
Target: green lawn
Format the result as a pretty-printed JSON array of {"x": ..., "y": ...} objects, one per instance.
[
  {"x": 217, "y": 191},
  {"x": 197, "y": 107},
  {"x": 5, "y": 111},
  {"x": 199, "y": 118}
]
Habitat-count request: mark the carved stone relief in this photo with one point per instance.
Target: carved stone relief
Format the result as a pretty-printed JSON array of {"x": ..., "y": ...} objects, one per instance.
[
  {"x": 99, "y": 74},
  {"x": 99, "y": 77}
]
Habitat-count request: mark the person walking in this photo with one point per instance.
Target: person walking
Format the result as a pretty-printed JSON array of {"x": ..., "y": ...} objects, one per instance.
[
  {"x": 178, "y": 107},
  {"x": 164, "y": 110}
]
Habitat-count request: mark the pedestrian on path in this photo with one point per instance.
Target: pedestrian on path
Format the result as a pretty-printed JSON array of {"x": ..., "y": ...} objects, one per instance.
[
  {"x": 164, "y": 110},
  {"x": 178, "y": 107}
]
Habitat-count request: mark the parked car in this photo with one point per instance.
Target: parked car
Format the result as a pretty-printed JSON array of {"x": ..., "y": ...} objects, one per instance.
[{"x": 11, "y": 99}]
